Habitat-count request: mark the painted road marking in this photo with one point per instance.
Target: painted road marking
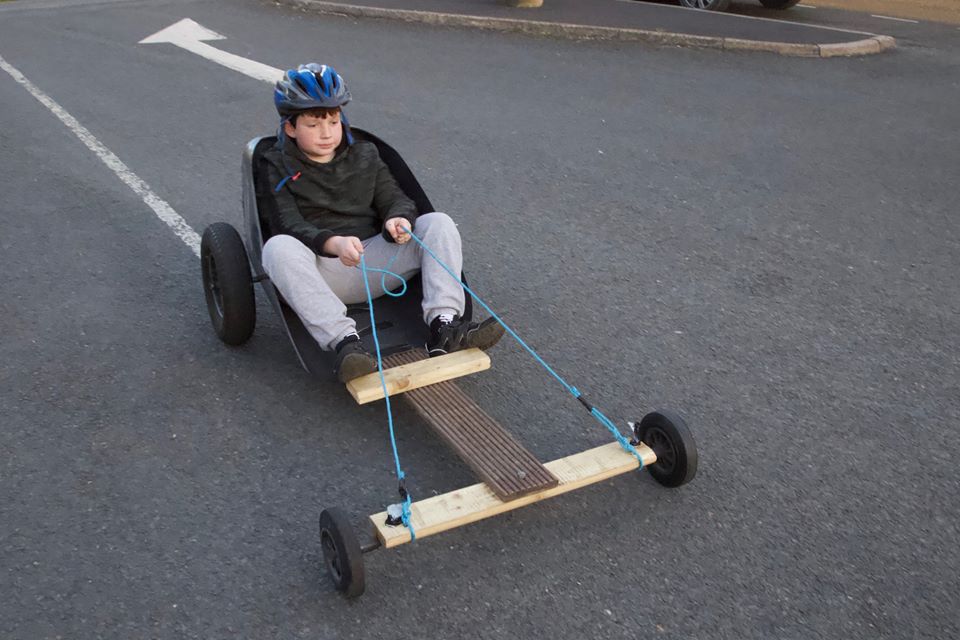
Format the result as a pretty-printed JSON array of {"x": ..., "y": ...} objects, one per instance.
[
  {"x": 872, "y": 15},
  {"x": 163, "y": 210},
  {"x": 190, "y": 35}
]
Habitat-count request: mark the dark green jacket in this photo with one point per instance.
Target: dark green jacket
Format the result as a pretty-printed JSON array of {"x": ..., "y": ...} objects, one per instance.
[{"x": 352, "y": 195}]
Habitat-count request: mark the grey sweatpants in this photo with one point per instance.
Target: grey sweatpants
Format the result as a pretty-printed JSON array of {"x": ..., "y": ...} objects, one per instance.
[{"x": 318, "y": 288}]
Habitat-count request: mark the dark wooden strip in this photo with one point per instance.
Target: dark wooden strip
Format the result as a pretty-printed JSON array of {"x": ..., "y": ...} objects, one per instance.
[
  {"x": 496, "y": 441},
  {"x": 472, "y": 452},
  {"x": 498, "y": 438},
  {"x": 499, "y": 459},
  {"x": 489, "y": 436},
  {"x": 497, "y": 444},
  {"x": 471, "y": 422},
  {"x": 491, "y": 451}
]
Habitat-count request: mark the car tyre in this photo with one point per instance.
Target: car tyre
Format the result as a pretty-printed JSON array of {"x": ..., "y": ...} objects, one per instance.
[
  {"x": 779, "y": 4},
  {"x": 709, "y": 5}
]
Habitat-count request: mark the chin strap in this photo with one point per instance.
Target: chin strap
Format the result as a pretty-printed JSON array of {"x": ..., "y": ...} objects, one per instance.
[{"x": 346, "y": 126}]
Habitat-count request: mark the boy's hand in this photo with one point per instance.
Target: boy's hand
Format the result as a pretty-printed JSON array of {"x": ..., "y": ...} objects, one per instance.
[
  {"x": 395, "y": 227},
  {"x": 347, "y": 248}
]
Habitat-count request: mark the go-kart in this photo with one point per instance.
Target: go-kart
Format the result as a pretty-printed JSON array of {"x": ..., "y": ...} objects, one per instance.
[{"x": 511, "y": 476}]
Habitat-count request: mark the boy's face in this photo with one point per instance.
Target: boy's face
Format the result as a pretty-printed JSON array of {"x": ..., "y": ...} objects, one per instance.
[{"x": 317, "y": 137}]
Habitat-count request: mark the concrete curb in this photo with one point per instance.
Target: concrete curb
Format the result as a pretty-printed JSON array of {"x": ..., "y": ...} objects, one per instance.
[{"x": 867, "y": 46}]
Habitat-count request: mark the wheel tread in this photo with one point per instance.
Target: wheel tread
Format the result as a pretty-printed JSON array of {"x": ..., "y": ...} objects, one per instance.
[
  {"x": 336, "y": 523},
  {"x": 680, "y": 439},
  {"x": 222, "y": 244}
]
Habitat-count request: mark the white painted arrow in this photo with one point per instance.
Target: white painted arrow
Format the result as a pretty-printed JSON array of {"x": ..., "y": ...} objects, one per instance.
[{"x": 190, "y": 35}]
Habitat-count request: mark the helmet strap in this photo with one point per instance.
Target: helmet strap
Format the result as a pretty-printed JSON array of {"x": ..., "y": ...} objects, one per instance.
[{"x": 346, "y": 126}]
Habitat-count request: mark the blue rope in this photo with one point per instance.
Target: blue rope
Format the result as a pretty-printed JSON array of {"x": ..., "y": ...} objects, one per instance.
[
  {"x": 386, "y": 272},
  {"x": 596, "y": 413},
  {"x": 383, "y": 383}
]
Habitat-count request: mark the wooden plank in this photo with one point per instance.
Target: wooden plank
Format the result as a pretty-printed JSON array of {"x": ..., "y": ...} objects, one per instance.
[
  {"x": 476, "y": 502},
  {"x": 418, "y": 374},
  {"x": 498, "y": 459}
]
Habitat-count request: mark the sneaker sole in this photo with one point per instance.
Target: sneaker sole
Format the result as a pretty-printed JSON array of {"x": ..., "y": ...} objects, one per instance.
[
  {"x": 486, "y": 335},
  {"x": 354, "y": 366}
]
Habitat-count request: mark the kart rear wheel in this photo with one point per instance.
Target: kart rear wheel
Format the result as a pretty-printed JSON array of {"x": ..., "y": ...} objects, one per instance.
[
  {"x": 341, "y": 552},
  {"x": 670, "y": 438},
  {"x": 709, "y": 5},
  {"x": 778, "y": 4},
  {"x": 227, "y": 283}
]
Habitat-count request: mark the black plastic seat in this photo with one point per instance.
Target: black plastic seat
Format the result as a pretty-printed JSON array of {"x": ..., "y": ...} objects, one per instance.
[{"x": 399, "y": 320}]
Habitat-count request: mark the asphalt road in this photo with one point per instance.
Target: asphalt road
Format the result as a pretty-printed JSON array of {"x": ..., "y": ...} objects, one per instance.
[{"x": 767, "y": 245}]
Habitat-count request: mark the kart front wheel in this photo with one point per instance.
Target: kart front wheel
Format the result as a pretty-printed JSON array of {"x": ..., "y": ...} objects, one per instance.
[
  {"x": 227, "y": 283},
  {"x": 341, "y": 552},
  {"x": 670, "y": 438}
]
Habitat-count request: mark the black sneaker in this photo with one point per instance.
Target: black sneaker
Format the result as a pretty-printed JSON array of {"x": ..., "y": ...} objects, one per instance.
[
  {"x": 447, "y": 336},
  {"x": 353, "y": 359}
]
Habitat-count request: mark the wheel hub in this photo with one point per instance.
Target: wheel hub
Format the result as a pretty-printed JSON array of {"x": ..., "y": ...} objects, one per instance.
[
  {"x": 661, "y": 444},
  {"x": 331, "y": 555},
  {"x": 213, "y": 284}
]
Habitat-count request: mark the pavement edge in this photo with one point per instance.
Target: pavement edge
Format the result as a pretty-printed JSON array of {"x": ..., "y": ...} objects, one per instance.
[{"x": 867, "y": 46}]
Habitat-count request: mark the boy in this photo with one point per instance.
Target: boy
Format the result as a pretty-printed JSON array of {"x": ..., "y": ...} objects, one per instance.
[{"x": 336, "y": 200}]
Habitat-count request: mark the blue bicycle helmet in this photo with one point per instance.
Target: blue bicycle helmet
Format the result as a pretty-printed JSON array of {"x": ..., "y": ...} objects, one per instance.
[{"x": 310, "y": 86}]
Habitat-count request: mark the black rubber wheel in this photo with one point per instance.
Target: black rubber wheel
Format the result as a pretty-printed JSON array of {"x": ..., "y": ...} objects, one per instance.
[
  {"x": 709, "y": 5},
  {"x": 778, "y": 4},
  {"x": 227, "y": 283},
  {"x": 341, "y": 552},
  {"x": 667, "y": 434}
]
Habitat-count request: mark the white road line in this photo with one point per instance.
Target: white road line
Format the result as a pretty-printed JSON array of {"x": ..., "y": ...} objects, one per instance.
[
  {"x": 872, "y": 15},
  {"x": 163, "y": 210},
  {"x": 806, "y": 6}
]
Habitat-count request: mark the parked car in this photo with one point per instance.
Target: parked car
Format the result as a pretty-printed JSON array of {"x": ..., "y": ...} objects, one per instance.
[{"x": 723, "y": 5}]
